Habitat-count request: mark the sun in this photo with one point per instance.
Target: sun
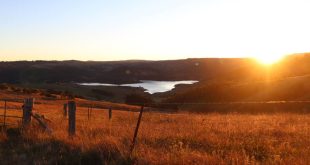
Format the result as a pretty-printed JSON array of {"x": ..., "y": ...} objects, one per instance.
[{"x": 269, "y": 59}]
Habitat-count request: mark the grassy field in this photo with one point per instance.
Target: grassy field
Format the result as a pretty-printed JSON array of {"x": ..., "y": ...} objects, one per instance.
[{"x": 281, "y": 138}]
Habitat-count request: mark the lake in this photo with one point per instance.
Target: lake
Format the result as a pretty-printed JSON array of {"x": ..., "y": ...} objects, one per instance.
[{"x": 150, "y": 86}]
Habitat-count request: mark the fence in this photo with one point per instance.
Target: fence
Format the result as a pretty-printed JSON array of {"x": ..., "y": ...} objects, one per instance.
[
  {"x": 6, "y": 110},
  {"x": 253, "y": 107},
  {"x": 24, "y": 108},
  {"x": 69, "y": 109}
]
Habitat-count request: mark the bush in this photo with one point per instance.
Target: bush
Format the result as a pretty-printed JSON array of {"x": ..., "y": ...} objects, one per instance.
[
  {"x": 102, "y": 92},
  {"x": 29, "y": 91},
  {"x": 3, "y": 87},
  {"x": 138, "y": 99}
]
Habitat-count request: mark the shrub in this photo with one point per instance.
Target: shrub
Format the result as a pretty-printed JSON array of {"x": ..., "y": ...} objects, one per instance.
[{"x": 138, "y": 99}]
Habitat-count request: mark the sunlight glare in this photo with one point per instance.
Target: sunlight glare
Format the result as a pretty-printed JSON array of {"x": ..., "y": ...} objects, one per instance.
[{"x": 269, "y": 59}]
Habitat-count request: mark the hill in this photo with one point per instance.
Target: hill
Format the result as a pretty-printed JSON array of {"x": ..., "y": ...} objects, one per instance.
[
  {"x": 220, "y": 80},
  {"x": 124, "y": 71},
  {"x": 132, "y": 71}
]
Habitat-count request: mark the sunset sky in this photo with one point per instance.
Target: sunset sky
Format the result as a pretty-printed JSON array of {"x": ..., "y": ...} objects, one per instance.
[{"x": 152, "y": 29}]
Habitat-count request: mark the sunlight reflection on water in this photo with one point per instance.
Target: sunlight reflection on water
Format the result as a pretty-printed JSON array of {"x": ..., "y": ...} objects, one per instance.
[{"x": 149, "y": 85}]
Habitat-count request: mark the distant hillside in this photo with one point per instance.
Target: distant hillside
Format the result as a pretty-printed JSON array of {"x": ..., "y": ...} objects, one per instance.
[
  {"x": 126, "y": 71},
  {"x": 234, "y": 69},
  {"x": 221, "y": 80},
  {"x": 287, "y": 89},
  {"x": 286, "y": 81}
]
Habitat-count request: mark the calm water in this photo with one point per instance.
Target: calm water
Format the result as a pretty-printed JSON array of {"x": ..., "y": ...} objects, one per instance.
[{"x": 149, "y": 86}]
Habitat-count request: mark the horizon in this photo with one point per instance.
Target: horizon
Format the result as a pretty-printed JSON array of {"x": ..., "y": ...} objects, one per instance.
[
  {"x": 161, "y": 30},
  {"x": 188, "y": 58}
]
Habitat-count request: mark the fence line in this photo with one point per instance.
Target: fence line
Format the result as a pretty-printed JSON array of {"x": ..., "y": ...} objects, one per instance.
[
  {"x": 11, "y": 116},
  {"x": 69, "y": 109},
  {"x": 150, "y": 107},
  {"x": 174, "y": 103}
]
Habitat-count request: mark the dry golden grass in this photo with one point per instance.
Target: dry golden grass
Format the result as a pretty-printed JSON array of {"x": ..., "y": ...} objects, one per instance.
[{"x": 163, "y": 139}]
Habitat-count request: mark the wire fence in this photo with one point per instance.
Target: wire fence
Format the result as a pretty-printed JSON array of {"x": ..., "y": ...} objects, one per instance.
[
  {"x": 8, "y": 105},
  {"x": 12, "y": 113},
  {"x": 25, "y": 107}
]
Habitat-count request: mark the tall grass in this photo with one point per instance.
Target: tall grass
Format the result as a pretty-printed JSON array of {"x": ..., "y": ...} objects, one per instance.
[{"x": 280, "y": 138}]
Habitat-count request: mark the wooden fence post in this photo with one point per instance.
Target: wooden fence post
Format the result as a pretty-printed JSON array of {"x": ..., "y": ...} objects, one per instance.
[
  {"x": 91, "y": 110},
  {"x": 65, "y": 111},
  {"x": 137, "y": 129},
  {"x": 110, "y": 113},
  {"x": 88, "y": 113},
  {"x": 4, "y": 115},
  {"x": 72, "y": 110},
  {"x": 27, "y": 110}
]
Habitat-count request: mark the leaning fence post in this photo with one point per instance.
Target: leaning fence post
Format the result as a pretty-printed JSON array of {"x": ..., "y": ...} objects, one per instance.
[
  {"x": 72, "y": 110},
  {"x": 27, "y": 110},
  {"x": 65, "y": 111},
  {"x": 110, "y": 113},
  {"x": 137, "y": 129}
]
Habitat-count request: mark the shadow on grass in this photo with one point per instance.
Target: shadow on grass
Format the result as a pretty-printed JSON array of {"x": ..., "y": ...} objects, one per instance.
[
  {"x": 253, "y": 148},
  {"x": 19, "y": 150}
]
